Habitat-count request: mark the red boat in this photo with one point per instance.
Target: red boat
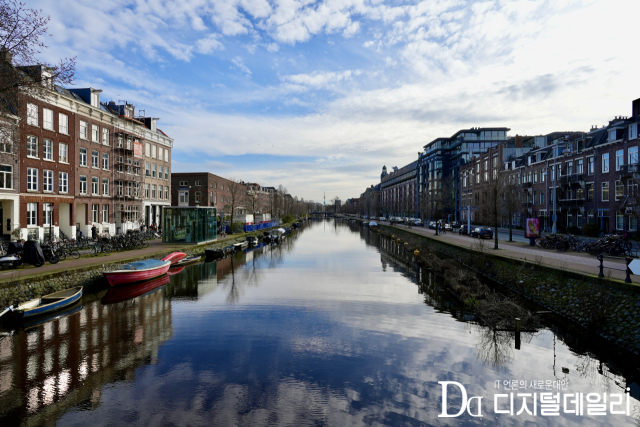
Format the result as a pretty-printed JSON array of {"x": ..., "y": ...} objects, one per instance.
[
  {"x": 137, "y": 272},
  {"x": 174, "y": 257},
  {"x": 116, "y": 295}
]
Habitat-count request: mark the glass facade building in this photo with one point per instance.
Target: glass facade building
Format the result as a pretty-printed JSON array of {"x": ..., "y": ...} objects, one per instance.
[{"x": 189, "y": 224}]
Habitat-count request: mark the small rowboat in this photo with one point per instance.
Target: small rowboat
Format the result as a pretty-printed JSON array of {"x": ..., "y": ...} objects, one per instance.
[
  {"x": 116, "y": 295},
  {"x": 186, "y": 261},
  {"x": 137, "y": 272},
  {"x": 46, "y": 304},
  {"x": 174, "y": 257},
  {"x": 240, "y": 246}
]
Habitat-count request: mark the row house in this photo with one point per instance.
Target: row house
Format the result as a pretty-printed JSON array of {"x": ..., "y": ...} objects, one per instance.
[
  {"x": 79, "y": 165},
  {"x": 202, "y": 189},
  {"x": 399, "y": 191}
]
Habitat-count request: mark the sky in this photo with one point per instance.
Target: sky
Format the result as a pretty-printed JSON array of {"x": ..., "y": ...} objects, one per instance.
[{"x": 318, "y": 95}]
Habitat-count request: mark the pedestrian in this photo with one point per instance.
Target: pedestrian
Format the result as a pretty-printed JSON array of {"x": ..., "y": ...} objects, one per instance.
[{"x": 94, "y": 232}]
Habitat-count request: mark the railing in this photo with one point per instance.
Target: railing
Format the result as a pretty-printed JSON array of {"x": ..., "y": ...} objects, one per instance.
[
  {"x": 574, "y": 177},
  {"x": 261, "y": 226},
  {"x": 629, "y": 169},
  {"x": 571, "y": 202}
]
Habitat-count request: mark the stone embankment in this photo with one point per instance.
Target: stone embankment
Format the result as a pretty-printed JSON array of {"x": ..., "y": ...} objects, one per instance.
[{"x": 605, "y": 307}]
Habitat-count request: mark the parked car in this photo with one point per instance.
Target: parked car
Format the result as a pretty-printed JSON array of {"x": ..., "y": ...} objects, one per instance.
[
  {"x": 482, "y": 232},
  {"x": 417, "y": 222},
  {"x": 447, "y": 226},
  {"x": 464, "y": 229},
  {"x": 455, "y": 224},
  {"x": 432, "y": 225}
]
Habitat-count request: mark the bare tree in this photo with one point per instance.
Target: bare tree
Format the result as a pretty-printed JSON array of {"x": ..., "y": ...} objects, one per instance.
[
  {"x": 237, "y": 194},
  {"x": 492, "y": 203},
  {"x": 511, "y": 201}
]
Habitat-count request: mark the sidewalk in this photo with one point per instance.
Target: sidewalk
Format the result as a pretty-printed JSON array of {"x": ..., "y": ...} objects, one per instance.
[
  {"x": 577, "y": 262},
  {"x": 155, "y": 247}
]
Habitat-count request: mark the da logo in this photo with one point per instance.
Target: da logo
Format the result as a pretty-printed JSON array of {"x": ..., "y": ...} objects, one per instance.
[{"x": 466, "y": 402}]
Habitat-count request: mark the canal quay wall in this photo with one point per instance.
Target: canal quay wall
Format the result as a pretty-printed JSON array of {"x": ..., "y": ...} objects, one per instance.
[
  {"x": 18, "y": 289},
  {"x": 608, "y": 308}
]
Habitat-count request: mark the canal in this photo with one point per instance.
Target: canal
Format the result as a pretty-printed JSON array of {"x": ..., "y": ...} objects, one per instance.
[{"x": 335, "y": 326}]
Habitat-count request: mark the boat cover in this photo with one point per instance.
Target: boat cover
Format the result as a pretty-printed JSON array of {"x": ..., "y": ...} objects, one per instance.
[{"x": 144, "y": 265}]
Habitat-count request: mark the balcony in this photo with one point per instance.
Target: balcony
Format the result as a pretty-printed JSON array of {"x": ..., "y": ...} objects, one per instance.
[
  {"x": 527, "y": 184},
  {"x": 574, "y": 178},
  {"x": 571, "y": 203},
  {"x": 629, "y": 170}
]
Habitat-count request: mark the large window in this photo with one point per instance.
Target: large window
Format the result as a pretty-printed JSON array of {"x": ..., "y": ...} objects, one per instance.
[
  {"x": 542, "y": 201},
  {"x": 95, "y": 133},
  {"x": 63, "y": 123},
  {"x": 83, "y": 185},
  {"x": 63, "y": 182},
  {"x": 47, "y": 211},
  {"x": 619, "y": 220},
  {"x": 633, "y": 131},
  {"x": 147, "y": 149},
  {"x": 105, "y": 213},
  {"x": 63, "y": 152},
  {"x": 153, "y": 191},
  {"x": 84, "y": 130},
  {"x": 633, "y": 155},
  {"x": 146, "y": 191},
  {"x": 619, "y": 189},
  {"x": 605, "y": 163},
  {"x": 543, "y": 175},
  {"x": 47, "y": 181},
  {"x": 619, "y": 159},
  {"x": 47, "y": 119},
  {"x": 153, "y": 170},
  {"x": 166, "y": 173},
  {"x": 105, "y": 161},
  {"x": 95, "y": 190},
  {"x": 32, "y": 146},
  {"x": 147, "y": 169},
  {"x": 105, "y": 186},
  {"x": 6, "y": 177},
  {"x": 589, "y": 192},
  {"x": 154, "y": 152},
  {"x": 591, "y": 165},
  {"x": 32, "y": 114},
  {"x": 94, "y": 159},
  {"x": 32, "y": 179},
  {"x": 47, "y": 149},
  {"x": 94, "y": 213},
  {"x": 83, "y": 157},
  {"x": 633, "y": 223},
  {"x": 580, "y": 166},
  {"x": 105, "y": 137},
  {"x": 605, "y": 191},
  {"x": 166, "y": 193},
  {"x": 32, "y": 214}
]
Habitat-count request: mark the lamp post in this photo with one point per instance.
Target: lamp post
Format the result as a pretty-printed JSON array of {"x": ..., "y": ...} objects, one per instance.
[{"x": 555, "y": 181}]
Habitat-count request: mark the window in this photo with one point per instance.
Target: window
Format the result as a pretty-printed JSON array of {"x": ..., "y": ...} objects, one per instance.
[
  {"x": 166, "y": 173},
  {"x": 153, "y": 191},
  {"x": 198, "y": 183},
  {"x": 569, "y": 219},
  {"x": 47, "y": 118},
  {"x": 83, "y": 157},
  {"x": 633, "y": 155},
  {"x": 63, "y": 152},
  {"x": 63, "y": 124},
  {"x": 166, "y": 193},
  {"x": 605, "y": 163},
  {"x": 579, "y": 220},
  {"x": 183, "y": 197},
  {"x": 591, "y": 217},
  {"x": 105, "y": 213},
  {"x": 146, "y": 191},
  {"x": 32, "y": 179},
  {"x": 542, "y": 197},
  {"x": 569, "y": 168},
  {"x": 94, "y": 159},
  {"x": 63, "y": 182},
  {"x": 605, "y": 191},
  {"x": 47, "y": 181},
  {"x": 633, "y": 131},
  {"x": 147, "y": 149},
  {"x": 84, "y": 130},
  {"x": 94, "y": 212},
  {"x": 105, "y": 186},
  {"x": 154, "y": 152},
  {"x": 619, "y": 189},
  {"x": 590, "y": 194},
  {"x": 83, "y": 185},
  {"x": 32, "y": 146},
  {"x": 32, "y": 114},
  {"x": 32, "y": 215},
  {"x": 612, "y": 135},
  {"x": 535, "y": 177},
  {"x": 105, "y": 161},
  {"x": 591, "y": 165},
  {"x": 619, "y": 220},
  {"x": 222, "y": 186},
  {"x": 153, "y": 170},
  {"x": 46, "y": 213},
  {"x": 95, "y": 190},
  {"x": 95, "y": 133},
  {"x": 633, "y": 223},
  {"x": 183, "y": 183},
  {"x": 166, "y": 154},
  {"x": 147, "y": 169},
  {"x": 619, "y": 159},
  {"x": 580, "y": 166},
  {"x": 535, "y": 197},
  {"x": 6, "y": 177},
  {"x": 119, "y": 188},
  {"x": 105, "y": 137},
  {"x": 47, "y": 149},
  {"x": 543, "y": 174}
]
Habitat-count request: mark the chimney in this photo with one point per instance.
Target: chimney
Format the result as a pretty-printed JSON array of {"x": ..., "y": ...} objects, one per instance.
[
  {"x": 518, "y": 141},
  {"x": 636, "y": 108}
]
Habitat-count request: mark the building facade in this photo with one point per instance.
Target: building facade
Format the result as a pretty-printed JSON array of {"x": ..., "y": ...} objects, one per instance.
[{"x": 399, "y": 191}]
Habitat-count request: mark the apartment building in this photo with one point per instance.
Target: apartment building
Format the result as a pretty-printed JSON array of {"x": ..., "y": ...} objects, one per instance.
[{"x": 202, "y": 189}]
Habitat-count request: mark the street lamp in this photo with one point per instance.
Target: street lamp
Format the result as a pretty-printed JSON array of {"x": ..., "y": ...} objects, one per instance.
[{"x": 555, "y": 180}]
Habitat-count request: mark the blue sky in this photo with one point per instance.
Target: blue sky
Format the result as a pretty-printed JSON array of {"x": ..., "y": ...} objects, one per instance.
[{"x": 318, "y": 95}]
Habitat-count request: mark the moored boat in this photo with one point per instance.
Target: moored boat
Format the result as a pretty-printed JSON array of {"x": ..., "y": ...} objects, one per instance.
[
  {"x": 115, "y": 295},
  {"x": 187, "y": 261},
  {"x": 46, "y": 304},
  {"x": 137, "y": 272},
  {"x": 219, "y": 253},
  {"x": 240, "y": 246},
  {"x": 174, "y": 257}
]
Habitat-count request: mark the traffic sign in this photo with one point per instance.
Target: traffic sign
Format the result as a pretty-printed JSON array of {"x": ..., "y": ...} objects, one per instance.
[{"x": 634, "y": 266}]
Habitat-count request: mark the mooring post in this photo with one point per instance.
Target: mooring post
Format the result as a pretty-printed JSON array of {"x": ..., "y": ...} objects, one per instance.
[
  {"x": 517, "y": 327},
  {"x": 628, "y": 278},
  {"x": 601, "y": 259}
]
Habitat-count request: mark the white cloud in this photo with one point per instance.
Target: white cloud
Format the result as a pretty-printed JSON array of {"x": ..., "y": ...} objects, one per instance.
[
  {"x": 237, "y": 61},
  {"x": 209, "y": 44}
]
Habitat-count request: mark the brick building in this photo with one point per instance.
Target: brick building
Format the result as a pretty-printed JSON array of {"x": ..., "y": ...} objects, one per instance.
[
  {"x": 399, "y": 191},
  {"x": 202, "y": 189}
]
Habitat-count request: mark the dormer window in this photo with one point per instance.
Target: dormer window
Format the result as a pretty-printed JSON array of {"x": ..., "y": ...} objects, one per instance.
[
  {"x": 633, "y": 131},
  {"x": 612, "y": 135},
  {"x": 95, "y": 99}
]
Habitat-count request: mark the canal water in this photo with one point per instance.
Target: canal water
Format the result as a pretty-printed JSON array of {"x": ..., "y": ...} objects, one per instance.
[{"x": 335, "y": 326}]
